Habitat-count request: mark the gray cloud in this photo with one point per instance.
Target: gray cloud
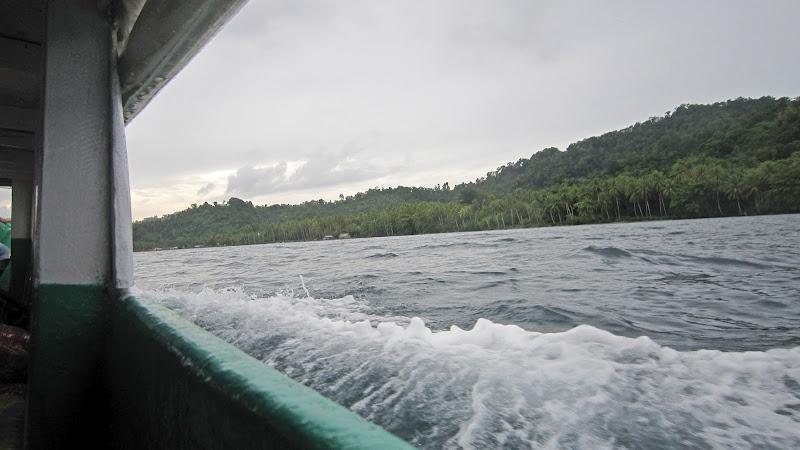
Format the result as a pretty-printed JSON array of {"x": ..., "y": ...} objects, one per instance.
[
  {"x": 320, "y": 170},
  {"x": 451, "y": 88},
  {"x": 206, "y": 189}
]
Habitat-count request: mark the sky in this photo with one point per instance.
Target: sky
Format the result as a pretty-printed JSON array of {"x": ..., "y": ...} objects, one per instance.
[{"x": 306, "y": 99}]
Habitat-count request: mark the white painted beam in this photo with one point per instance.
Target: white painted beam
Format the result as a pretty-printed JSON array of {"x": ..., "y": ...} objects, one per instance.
[
  {"x": 74, "y": 220},
  {"x": 83, "y": 213},
  {"x": 121, "y": 231}
]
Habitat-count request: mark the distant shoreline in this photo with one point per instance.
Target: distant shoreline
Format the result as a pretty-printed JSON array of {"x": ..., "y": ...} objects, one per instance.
[
  {"x": 631, "y": 220},
  {"x": 735, "y": 158}
]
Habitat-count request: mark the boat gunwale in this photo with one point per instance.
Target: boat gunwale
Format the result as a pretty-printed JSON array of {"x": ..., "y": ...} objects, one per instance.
[{"x": 296, "y": 412}]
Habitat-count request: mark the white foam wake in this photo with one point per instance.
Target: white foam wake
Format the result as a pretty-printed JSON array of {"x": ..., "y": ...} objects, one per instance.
[{"x": 502, "y": 386}]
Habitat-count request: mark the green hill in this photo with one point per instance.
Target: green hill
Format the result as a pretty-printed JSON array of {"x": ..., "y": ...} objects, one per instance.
[{"x": 736, "y": 157}]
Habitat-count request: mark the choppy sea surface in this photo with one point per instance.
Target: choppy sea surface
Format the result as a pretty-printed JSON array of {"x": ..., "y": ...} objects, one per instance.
[{"x": 644, "y": 335}]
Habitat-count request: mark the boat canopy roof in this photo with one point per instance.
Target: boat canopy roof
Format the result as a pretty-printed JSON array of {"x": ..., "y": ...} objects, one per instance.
[{"x": 157, "y": 38}]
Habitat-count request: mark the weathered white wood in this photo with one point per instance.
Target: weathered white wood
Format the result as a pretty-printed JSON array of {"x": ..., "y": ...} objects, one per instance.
[
  {"x": 16, "y": 140},
  {"x": 18, "y": 119},
  {"x": 22, "y": 19},
  {"x": 20, "y": 88},
  {"x": 20, "y": 55},
  {"x": 16, "y": 164}
]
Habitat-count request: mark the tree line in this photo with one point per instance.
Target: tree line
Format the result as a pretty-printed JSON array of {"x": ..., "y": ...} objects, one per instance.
[{"x": 740, "y": 157}]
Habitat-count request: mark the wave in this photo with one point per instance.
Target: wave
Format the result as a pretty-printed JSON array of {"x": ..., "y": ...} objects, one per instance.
[
  {"x": 543, "y": 314},
  {"x": 383, "y": 255},
  {"x": 720, "y": 261},
  {"x": 460, "y": 244},
  {"x": 499, "y": 385},
  {"x": 506, "y": 239},
  {"x": 611, "y": 253},
  {"x": 608, "y": 252}
]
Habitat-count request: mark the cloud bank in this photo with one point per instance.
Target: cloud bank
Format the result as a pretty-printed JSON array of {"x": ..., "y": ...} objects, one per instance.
[
  {"x": 441, "y": 90},
  {"x": 320, "y": 170}
]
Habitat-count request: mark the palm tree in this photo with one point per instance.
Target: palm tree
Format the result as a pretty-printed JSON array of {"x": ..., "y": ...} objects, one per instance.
[
  {"x": 753, "y": 184},
  {"x": 658, "y": 182},
  {"x": 734, "y": 186}
]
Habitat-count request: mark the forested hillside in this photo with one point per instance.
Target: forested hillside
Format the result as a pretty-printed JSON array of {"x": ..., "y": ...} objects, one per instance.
[{"x": 729, "y": 158}]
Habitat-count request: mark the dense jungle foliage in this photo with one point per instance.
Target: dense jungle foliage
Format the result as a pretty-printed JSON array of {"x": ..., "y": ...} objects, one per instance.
[{"x": 738, "y": 157}]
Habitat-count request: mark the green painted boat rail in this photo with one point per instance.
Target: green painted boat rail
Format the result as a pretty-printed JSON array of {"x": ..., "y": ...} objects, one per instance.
[{"x": 174, "y": 385}]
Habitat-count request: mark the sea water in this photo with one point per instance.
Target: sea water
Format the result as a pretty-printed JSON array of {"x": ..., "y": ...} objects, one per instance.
[{"x": 643, "y": 335}]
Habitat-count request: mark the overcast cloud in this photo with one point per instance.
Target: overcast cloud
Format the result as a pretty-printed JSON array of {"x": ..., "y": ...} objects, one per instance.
[
  {"x": 320, "y": 170},
  {"x": 302, "y": 99}
]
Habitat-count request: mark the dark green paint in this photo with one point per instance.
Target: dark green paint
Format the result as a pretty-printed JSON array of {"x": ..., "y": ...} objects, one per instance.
[
  {"x": 177, "y": 386},
  {"x": 110, "y": 368},
  {"x": 66, "y": 400}
]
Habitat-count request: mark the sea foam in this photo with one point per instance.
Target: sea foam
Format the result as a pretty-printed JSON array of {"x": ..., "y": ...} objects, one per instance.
[{"x": 499, "y": 385}]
